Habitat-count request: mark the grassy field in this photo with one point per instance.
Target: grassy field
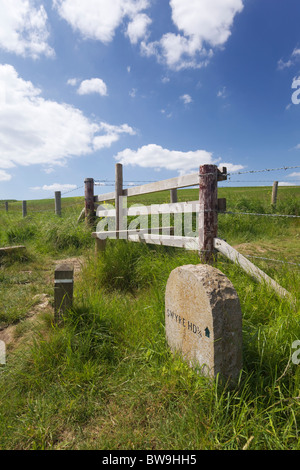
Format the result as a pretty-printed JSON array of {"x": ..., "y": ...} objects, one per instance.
[{"x": 106, "y": 379}]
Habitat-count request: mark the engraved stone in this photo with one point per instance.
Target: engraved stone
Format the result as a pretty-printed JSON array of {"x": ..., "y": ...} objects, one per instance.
[{"x": 203, "y": 320}]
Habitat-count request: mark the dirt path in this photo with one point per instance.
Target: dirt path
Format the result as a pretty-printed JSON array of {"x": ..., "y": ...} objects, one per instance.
[{"x": 43, "y": 304}]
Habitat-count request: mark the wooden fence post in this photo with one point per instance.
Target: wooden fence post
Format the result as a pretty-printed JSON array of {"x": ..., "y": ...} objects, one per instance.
[
  {"x": 100, "y": 245},
  {"x": 63, "y": 291},
  {"x": 24, "y": 208},
  {"x": 89, "y": 201},
  {"x": 118, "y": 200},
  {"x": 208, "y": 212},
  {"x": 58, "y": 203},
  {"x": 173, "y": 196},
  {"x": 6, "y": 206},
  {"x": 274, "y": 193}
]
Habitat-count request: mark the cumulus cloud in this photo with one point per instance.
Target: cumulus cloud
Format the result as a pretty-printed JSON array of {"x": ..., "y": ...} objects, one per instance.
[
  {"x": 157, "y": 157},
  {"x": 99, "y": 19},
  {"x": 34, "y": 130},
  {"x": 94, "y": 85},
  {"x": 203, "y": 25},
  {"x": 24, "y": 29}
]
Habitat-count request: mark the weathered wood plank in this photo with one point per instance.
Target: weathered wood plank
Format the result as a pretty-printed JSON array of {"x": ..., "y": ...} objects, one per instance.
[
  {"x": 248, "y": 267},
  {"x": 105, "y": 197},
  {"x": 164, "y": 185}
]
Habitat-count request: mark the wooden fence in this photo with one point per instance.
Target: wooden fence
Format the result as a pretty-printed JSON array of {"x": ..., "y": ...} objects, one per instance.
[
  {"x": 206, "y": 208},
  {"x": 57, "y": 205}
]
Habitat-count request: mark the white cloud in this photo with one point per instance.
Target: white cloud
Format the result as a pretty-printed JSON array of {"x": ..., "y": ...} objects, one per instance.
[
  {"x": 23, "y": 28},
  {"x": 48, "y": 171},
  {"x": 222, "y": 93},
  {"x": 55, "y": 187},
  {"x": 296, "y": 174},
  {"x": 138, "y": 27},
  {"x": 4, "y": 176},
  {"x": 203, "y": 25},
  {"x": 99, "y": 19},
  {"x": 110, "y": 134},
  {"x": 187, "y": 99},
  {"x": 156, "y": 157},
  {"x": 231, "y": 167},
  {"x": 38, "y": 131},
  {"x": 72, "y": 81},
  {"x": 94, "y": 85},
  {"x": 281, "y": 64},
  {"x": 286, "y": 183}
]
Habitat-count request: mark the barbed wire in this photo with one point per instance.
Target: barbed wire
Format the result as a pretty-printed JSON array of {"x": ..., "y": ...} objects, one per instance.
[
  {"x": 263, "y": 170},
  {"x": 266, "y": 215},
  {"x": 72, "y": 190},
  {"x": 273, "y": 260},
  {"x": 260, "y": 181}
]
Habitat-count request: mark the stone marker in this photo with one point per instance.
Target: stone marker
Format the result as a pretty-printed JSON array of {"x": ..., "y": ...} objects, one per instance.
[{"x": 204, "y": 320}]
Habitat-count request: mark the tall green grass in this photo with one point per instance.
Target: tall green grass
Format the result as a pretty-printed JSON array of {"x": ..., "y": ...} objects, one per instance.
[
  {"x": 107, "y": 379},
  {"x": 46, "y": 233}
]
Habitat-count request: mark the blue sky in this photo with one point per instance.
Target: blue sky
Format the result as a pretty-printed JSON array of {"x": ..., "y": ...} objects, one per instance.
[{"x": 161, "y": 86}]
